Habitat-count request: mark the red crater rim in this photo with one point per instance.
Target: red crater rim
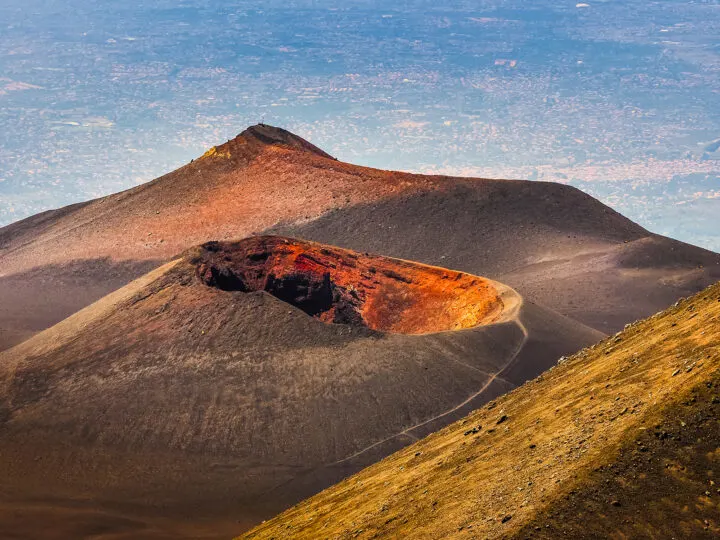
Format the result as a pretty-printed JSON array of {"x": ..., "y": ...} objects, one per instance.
[{"x": 342, "y": 286}]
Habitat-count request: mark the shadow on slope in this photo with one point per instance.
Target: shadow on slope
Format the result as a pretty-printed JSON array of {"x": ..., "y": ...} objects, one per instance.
[
  {"x": 554, "y": 244},
  {"x": 35, "y": 299}
]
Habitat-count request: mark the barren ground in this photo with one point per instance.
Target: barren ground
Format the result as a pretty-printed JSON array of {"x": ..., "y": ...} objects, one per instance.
[{"x": 619, "y": 441}]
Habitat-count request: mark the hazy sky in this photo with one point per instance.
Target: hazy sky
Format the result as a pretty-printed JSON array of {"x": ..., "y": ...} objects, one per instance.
[{"x": 620, "y": 98}]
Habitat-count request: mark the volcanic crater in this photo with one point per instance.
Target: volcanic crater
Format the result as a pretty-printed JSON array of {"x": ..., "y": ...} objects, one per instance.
[{"x": 342, "y": 286}]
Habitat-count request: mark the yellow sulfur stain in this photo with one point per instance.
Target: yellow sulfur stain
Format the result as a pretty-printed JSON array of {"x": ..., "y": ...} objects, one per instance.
[{"x": 213, "y": 152}]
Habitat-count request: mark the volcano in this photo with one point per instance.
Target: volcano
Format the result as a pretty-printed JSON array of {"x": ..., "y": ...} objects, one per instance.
[{"x": 554, "y": 244}]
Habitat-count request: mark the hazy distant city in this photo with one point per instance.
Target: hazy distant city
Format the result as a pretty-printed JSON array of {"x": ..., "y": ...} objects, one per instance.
[{"x": 619, "y": 98}]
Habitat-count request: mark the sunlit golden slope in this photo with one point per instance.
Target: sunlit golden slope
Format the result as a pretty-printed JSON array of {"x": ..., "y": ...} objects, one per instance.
[{"x": 621, "y": 440}]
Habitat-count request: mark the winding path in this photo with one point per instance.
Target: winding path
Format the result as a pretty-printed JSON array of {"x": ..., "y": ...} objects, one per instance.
[{"x": 492, "y": 379}]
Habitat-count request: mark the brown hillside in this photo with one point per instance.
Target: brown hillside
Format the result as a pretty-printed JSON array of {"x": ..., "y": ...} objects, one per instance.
[
  {"x": 553, "y": 243},
  {"x": 59, "y": 261},
  {"x": 181, "y": 406},
  {"x": 620, "y": 441}
]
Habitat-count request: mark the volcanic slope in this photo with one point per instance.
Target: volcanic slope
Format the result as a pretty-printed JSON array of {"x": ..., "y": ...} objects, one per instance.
[
  {"x": 619, "y": 441},
  {"x": 228, "y": 384},
  {"x": 553, "y": 243}
]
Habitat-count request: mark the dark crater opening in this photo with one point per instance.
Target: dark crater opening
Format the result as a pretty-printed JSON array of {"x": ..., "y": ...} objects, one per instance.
[
  {"x": 271, "y": 265},
  {"x": 314, "y": 296},
  {"x": 224, "y": 278}
]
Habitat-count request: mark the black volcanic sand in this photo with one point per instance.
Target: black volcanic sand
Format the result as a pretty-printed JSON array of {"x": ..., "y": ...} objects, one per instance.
[{"x": 175, "y": 409}]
